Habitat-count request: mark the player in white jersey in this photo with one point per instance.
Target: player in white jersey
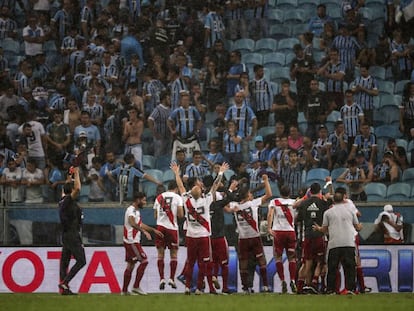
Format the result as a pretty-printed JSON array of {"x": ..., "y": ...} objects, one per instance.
[
  {"x": 250, "y": 242},
  {"x": 197, "y": 211},
  {"x": 280, "y": 224},
  {"x": 168, "y": 207},
  {"x": 133, "y": 227}
]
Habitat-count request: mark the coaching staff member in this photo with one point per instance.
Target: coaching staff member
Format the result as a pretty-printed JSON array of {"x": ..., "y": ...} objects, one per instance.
[
  {"x": 71, "y": 219},
  {"x": 340, "y": 221}
]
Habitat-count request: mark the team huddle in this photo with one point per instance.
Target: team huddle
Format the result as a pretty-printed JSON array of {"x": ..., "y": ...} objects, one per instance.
[{"x": 304, "y": 222}]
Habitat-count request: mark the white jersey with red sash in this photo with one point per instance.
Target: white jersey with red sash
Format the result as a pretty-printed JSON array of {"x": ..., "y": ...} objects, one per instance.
[
  {"x": 166, "y": 204},
  {"x": 247, "y": 218},
  {"x": 198, "y": 215},
  {"x": 283, "y": 215},
  {"x": 132, "y": 235}
]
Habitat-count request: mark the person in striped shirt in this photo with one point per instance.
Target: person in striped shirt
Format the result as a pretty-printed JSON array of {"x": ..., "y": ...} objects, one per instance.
[
  {"x": 62, "y": 21},
  {"x": 407, "y": 111},
  {"x": 365, "y": 88},
  {"x": 400, "y": 57},
  {"x": 235, "y": 22},
  {"x": 8, "y": 27},
  {"x": 261, "y": 96},
  {"x": 290, "y": 173},
  {"x": 232, "y": 148},
  {"x": 352, "y": 115},
  {"x": 245, "y": 120},
  {"x": 348, "y": 48},
  {"x": 213, "y": 26},
  {"x": 196, "y": 168},
  {"x": 87, "y": 18},
  {"x": 184, "y": 123},
  {"x": 157, "y": 122},
  {"x": 365, "y": 142},
  {"x": 337, "y": 146},
  {"x": 334, "y": 72},
  {"x": 151, "y": 90},
  {"x": 176, "y": 85}
]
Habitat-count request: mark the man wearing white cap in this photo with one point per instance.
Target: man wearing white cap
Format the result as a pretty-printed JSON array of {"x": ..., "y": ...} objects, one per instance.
[{"x": 391, "y": 224}]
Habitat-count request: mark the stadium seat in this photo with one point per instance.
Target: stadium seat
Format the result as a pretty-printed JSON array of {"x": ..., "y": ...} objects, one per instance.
[
  {"x": 280, "y": 74},
  {"x": 162, "y": 163},
  {"x": 298, "y": 29},
  {"x": 274, "y": 87},
  {"x": 335, "y": 12},
  {"x": 287, "y": 4},
  {"x": 410, "y": 146},
  {"x": 273, "y": 60},
  {"x": 399, "y": 86},
  {"x": 401, "y": 142},
  {"x": 390, "y": 115},
  {"x": 272, "y": 3},
  {"x": 318, "y": 56},
  {"x": 336, "y": 172},
  {"x": 157, "y": 174},
  {"x": 389, "y": 100},
  {"x": 84, "y": 193},
  {"x": 386, "y": 87},
  {"x": 376, "y": 191},
  {"x": 148, "y": 161},
  {"x": 150, "y": 190},
  {"x": 265, "y": 45},
  {"x": 266, "y": 130},
  {"x": 387, "y": 131},
  {"x": 378, "y": 72},
  {"x": 275, "y": 189},
  {"x": 279, "y": 32},
  {"x": 400, "y": 191},
  {"x": 167, "y": 176},
  {"x": 331, "y": 120},
  {"x": 294, "y": 17},
  {"x": 308, "y": 5},
  {"x": 229, "y": 173},
  {"x": 252, "y": 59},
  {"x": 289, "y": 57},
  {"x": 408, "y": 175},
  {"x": 275, "y": 16},
  {"x": 302, "y": 123},
  {"x": 228, "y": 45},
  {"x": 317, "y": 175},
  {"x": 10, "y": 47},
  {"x": 286, "y": 45},
  {"x": 371, "y": 15},
  {"x": 244, "y": 45},
  {"x": 374, "y": 3}
]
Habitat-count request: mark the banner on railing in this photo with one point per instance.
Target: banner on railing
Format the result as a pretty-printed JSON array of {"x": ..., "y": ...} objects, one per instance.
[{"x": 386, "y": 269}]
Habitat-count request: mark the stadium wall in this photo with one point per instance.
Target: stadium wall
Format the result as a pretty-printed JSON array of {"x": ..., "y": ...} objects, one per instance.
[{"x": 28, "y": 269}]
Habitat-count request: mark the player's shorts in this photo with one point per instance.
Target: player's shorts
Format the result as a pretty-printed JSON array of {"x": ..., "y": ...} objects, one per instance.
[
  {"x": 314, "y": 249},
  {"x": 249, "y": 247},
  {"x": 169, "y": 240},
  {"x": 134, "y": 252},
  {"x": 219, "y": 250},
  {"x": 198, "y": 249},
  {"x": 284, "y": 240}
]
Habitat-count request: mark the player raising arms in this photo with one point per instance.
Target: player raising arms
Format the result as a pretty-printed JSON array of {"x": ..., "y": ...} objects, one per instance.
[
  {"x": 168, "y": 206},
  {"x": 197, "y": 212},
  {"x": 250, "y": 242}
]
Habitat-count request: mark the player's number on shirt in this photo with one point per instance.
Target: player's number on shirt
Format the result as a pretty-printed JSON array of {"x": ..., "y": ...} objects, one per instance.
[
  {"x": 167, "y": 202},
  {"x": 199, "y": 210}
]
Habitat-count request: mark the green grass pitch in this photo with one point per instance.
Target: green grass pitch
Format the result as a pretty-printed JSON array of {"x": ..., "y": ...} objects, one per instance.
[{"x": 236, "y": 302}]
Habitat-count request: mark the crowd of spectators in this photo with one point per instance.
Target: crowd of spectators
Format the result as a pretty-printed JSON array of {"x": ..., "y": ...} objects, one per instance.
[{"x": 90, "y": 83}]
